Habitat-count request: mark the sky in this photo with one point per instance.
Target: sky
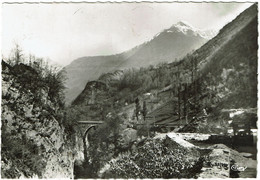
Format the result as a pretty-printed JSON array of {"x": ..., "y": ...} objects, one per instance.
[{"x": 64, "y": 32}]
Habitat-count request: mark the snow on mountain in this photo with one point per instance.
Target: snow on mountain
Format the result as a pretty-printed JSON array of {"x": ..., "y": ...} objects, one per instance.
[
  {"x": 167, "y": 46},
  {"x": 183, "y": 27},
  {"x": 187, "y": 29}
]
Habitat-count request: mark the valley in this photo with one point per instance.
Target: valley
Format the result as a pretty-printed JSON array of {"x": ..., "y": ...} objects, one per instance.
[
  {"x": 182, "y": 105},
  {"x": 167, "y": 46},
  {"x": 195, "y": 95}
]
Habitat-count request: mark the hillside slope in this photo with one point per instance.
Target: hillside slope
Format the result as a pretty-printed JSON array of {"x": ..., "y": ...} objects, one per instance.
[
  {"x": 167, "y": 46},
  {"x": 227, "y": 68},
  {"x": 213, "y": 78},
  {"x": 34, "y": 142}
]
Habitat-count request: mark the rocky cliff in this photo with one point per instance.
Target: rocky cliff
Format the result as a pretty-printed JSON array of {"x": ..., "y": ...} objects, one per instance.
[{"x": 34, "y": 141}]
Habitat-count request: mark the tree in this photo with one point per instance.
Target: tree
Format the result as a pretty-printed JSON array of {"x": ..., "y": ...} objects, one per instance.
[
  {"x": 179, "y": 101},
  {"x": 185, "y": 108},
  {"x": 179, "y": 92},
  {"x": 137, "y": 107},
  {"x": 16, "y": 55},
  {"x": 55, "y": 78},
  {"x": 144, "y": 112},
  {"x": 195, "y": 82},
  {"x": 104, "y": 141}
]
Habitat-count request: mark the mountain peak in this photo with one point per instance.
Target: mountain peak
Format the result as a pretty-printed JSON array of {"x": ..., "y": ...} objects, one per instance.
[
  {"x": 186, "y": 28},
  {"x": 183, "y": 27},
  {"x": 183, "y": 23}
]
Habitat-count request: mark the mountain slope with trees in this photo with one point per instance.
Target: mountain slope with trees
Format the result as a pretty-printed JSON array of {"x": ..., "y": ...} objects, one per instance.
[
  {"x": 225, "y": 70},
  {"x": 190, "y": 94},
  {"x": 212, "y": 78},
  {"x": 169, "y": 45}
]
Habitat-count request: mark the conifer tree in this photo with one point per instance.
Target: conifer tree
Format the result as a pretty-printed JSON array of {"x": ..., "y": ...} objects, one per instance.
[
  {"x": 144, "y": 110},
  {"x": 137, "y": 108}
]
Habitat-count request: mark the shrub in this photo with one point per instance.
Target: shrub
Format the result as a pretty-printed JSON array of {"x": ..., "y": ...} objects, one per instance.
[
  {"x": 24, "y": 156},
  {"x": 156, "y": 160}
]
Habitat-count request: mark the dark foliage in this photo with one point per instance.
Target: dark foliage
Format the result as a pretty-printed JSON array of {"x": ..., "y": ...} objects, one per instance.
[
  {"x": 25, "y": 155},
  {"x": 155, "y": 159}
]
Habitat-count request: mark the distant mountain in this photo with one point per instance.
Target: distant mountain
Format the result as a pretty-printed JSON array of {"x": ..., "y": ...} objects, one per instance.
[
  {"x": 167, "y": 46},
  {"x": 195, "y": 92},
  {"x": 228, "y": 67}
]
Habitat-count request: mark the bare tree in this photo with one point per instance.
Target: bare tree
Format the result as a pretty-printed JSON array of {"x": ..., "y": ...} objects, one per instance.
[{"x": 17, "y": 54}]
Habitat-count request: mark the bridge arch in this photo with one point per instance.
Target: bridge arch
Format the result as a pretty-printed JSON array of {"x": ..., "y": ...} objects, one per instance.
[
  {"x": 86, "y": 126},
  {"x": 85, "y": 135}
]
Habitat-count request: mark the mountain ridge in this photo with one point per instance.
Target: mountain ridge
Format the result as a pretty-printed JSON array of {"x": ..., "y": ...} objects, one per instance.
[
  {"x": 221, "y": 77},
  {"x": 165, "y": 47}
]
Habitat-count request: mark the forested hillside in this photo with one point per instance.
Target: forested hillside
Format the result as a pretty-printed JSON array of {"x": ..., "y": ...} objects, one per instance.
[
  {"x": 211, "y": 78},
  {"x": 191, "y": 93},
  {"x": 169, "y": 45},
  {"x": 176, "y": 106}
]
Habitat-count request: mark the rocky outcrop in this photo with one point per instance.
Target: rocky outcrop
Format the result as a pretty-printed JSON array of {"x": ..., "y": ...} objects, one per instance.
[
  {"x": 127, "y": 137},
  {"x": 224, "y": 162},
  {"x": 89, "y": 93},
  {"x": 34, "y": 143}
]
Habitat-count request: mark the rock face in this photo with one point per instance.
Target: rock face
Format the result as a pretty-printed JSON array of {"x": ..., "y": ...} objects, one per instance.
[
  {"x": 34, "y": 143},
  {"x": 224, "y": 162},
  {"x": 90, "y": 91},
  {"x": 128, "y": 136},
  {"x": 218, "y": 162}
]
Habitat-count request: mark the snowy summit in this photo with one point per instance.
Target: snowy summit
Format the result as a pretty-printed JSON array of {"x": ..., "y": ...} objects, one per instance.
[{"x": 186, "y": 28}]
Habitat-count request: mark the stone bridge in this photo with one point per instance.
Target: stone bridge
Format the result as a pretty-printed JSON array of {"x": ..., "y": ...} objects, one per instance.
[{"x": 85, "y": 126}]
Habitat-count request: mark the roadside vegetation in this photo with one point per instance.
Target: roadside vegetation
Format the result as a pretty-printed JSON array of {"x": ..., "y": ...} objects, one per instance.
[{"x": 33, "y": 98}]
